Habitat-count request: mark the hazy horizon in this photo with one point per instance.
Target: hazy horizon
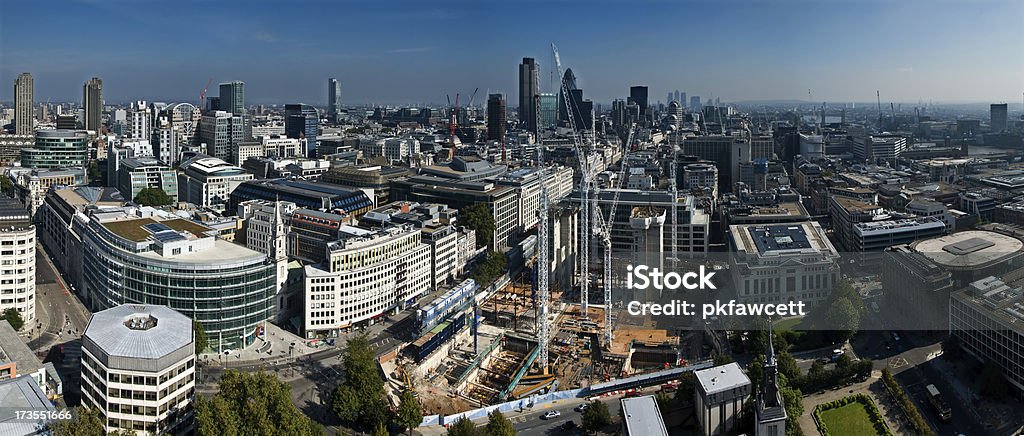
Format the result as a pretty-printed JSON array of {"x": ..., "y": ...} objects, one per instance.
[{"x": 946, "y": 52}]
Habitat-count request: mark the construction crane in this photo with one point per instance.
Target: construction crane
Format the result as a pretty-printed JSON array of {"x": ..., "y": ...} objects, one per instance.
[
  {"x": 603, "y": 228},
  {"x": 454, "y": 113},
  {"x": 202, "y": 95},
  {"x": 586, "y": 181},
  {"x": 543, "y": 265}
]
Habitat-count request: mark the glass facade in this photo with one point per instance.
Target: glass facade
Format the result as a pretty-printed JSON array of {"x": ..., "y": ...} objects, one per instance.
[
  {"x": 231, "y": 297},
  {"x": 57, "y": 149}
]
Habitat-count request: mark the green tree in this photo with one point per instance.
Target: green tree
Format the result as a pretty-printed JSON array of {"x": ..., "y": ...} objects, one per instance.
[
  {"x": 12, "y": 316},
  {"x": 410, "y": 414},
  {"x": 252, "y": 404},
  {"x": 95, "y": 175},
  {"x": 843, "y": 317},
  {"x": 153, "y": 197},
  {"x": 787, "y": 365},
  {"x": 489, "y": 269},
  {"x": 479, "y": 218},
  {"x": 499, "y": 425},
  {"x": 463, "y": 427},
  {"x": 596, "y": 416},
  {"x": 6, "y": 187},
  {"x": 202, "y": 342},
  {"x": 722, "y": 359},
  {"x": 360, "y": 398},
  {"x": 664, "y": 402},
  {"x": 85, "y": 421},
  {"x": 380, "y": 430}
]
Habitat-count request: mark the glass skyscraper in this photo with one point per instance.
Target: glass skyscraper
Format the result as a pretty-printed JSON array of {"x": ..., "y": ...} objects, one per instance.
[{"x": 301, "y": 122}]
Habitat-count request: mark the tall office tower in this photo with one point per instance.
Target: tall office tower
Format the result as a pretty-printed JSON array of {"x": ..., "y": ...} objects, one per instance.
[
  {"x": 140, "y": 121},
  {"x": 221, "y": 130},
  {"x": 24, "y": 94},
  {"x": 333, "y": 99},
  {"x": 682, "y": 99},
  {"x": 92, "y": 101},
  {"x": 695, "y": 103},
  {"x": 677, "y": 97},
  {"x": 582, "y": 110},
  {"x": 638, "y": 95},
  {"x": 232, "y": 97},
  {"x": 548, "y": 110},
  {"x": 300, "y": 122},
  {"x": 718, "y": 101},
  {"x": 495, "y": 117},
  {"x": 529, "y": 87},
  {"x": 999, "y": 118},
  {"x": 670, "y": 97}
]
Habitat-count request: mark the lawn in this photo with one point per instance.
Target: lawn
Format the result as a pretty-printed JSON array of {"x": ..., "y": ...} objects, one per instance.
[
  {"x": 851, "y": 419},
  {"x": 788, "y": 323}
]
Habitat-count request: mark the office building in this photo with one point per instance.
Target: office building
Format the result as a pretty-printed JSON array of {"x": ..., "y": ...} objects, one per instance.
[
  {"x": 375, "y": 177},
  {"x": 529, "y": 88},
  {"x": 496, "y": 118},
  {"x": 23, "y": 395},
  {"x": 310, "y": 231},
  {"x": 502, "y": 201},
  {"x": 720, "y": 394},
  {"x": 527, "y": 181},
  {"x": 333, "y": 99},
  {"x": 57, "y": 149},
  {"x": 136, "y": 174},
  {"x": 208, "y": 182},
  {"x": 861, "y": 227},
  {"x": 309, "y": 195},
  {"x": 367, "y": 274},
  {"x": 701, "y": 177},
  {"x": 11, "y": 146},
  {"x": 24, "y": 101},
  {"x": 581, "y": 111},
  {"x": 727, "y": 153},
  {"x": 759, "y": 252},
  {"x": 301, "y": 121},
  {"x": 92, "y": 103},
  {"x": 695, "y": 103},
  {"x": 988, "y": 319},
  {"x": 266, "y": 231},
  {"x": 642, "y": 417},
  {"x": 138, "y": 369},
  {"x": 140, "y": 121},
  {"x": 219, "y": 131},
  {"x": 638, "y": 96},
  {"x": 548, "y": 110},
  {"x": 31, "y": 185},
  {"x": 691, "y": 225},
  {"x": 877, "y": 147},
  {"x": 232, "y": 97},
  {"x": 998, "y": 117},
  {"x": 18, "y": 259},
  {"x": 166, "y": 260},
  {"x": 61, "y": 233}
]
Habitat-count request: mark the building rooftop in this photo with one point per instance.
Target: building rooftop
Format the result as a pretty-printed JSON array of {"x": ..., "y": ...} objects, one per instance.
[
  {"x": 970, "y": 249},
  {"x": 642, "y": 417},
  {"x": 139, "y": 331},
  {"x": 721, "y": 378},
  {"x": 136, "y": 230},
  {"x": 21, "y": 394},
  {"x": 13, "y": 214},
  {"x": 1003, "y": 301},
  {"x": 13, "y": 349}
]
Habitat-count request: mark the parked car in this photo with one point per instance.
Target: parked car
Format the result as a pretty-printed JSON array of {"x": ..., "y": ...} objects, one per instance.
[
  {"x": 551, "y": 414},
  {"x": 582, "y": 407}
]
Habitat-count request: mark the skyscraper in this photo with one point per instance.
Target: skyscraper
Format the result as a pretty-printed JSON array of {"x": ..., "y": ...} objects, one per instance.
[
  {"x": 495, "y": 117},
  {"x": 998, "y": 117},
  {"x": 582, "y": 110},
  {"x": 548, "y": 110},
  {"x": 300, "y": 122},
  {"x": 529, "y": 88},
  {"x": 670, "y": 97},
  {"x": 220, "y": 131},
  {"x": 24, "y": 96},
  {"x": 695, "y": 103},
  {"x": 677, "y": 97},
  {"x": 638, "y": 95},
  {"x": 333, "y": 99},
  {"x": 92, "y": 101},
  {"x": 232, "y": 97}
]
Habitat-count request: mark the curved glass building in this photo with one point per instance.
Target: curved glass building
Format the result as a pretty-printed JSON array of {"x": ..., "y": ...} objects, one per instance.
[
  {"x": 57, "y": 149},
  {"x": 181, "y": 264}
]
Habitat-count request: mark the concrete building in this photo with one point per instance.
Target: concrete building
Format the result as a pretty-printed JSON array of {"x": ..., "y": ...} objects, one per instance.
[
  {"x": 496, "y": 117},
  {"x": 439, "y": 225},
  {"x": 266, "y": 231},
  {"x": 24, "y": 101},
  {"x": 311, "y": 230},
  {"x": 874, "y": 148},
  {"x": 529, "y": 88},
  {"x": 57, "y": 149},
  {"x": 140, "y": 121},
  {"x": 136, "y": 174},
  {"x": 11, "y": 146},
  {"x": 232, "y": 97},
  {"x": 17, "y": 260},
  {"x": 138, "y": 369},
  {"x": 60, "y": 231},
  {"x": 931, "y": 208},
  {"x": 727, "y": 152},
  {"x": 691, "y": 225},
  {"x": 219, "y": 131},
  {"x": 862, "y": 228},
  {"x": 783, "y": 263},
  {"x": 642, "y": 417},
  {"x": 92, "y": 103},
  {"x": 998, "y": 117},
  {"x": 700, "y": 177},
  {"x": 31, "y": 185},
  {"x": 146, "y": 257},
  {"x": 333, "y": 100},
  {"x": 208, "y": 181},
  {"x": 527, "y": 181},
  {"x": 502, "y": 201},
  {"x": 720, "y": 394},
  {"x": 988, "y": 319},
  {"x": 367, "y": 274},
  {"x": 375, "y": 177},
  {"x": 22, "y": 394},
  {"x": 301, "y": 121}
]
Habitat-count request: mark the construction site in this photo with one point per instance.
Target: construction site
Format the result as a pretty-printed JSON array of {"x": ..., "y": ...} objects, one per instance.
[{"x": 483, "y": 344}]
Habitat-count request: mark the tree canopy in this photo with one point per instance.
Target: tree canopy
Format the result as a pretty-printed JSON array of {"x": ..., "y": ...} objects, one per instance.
[
  {"x": 202, "y": 342},
  {"x": 12, "y": 316},
  {"x": 596, "y": 416},
  {"x": 85, "y": 421},
  {"x": 479, "y": 218},
  {"x": 499, "y": 425},
  {"x": 463, "y": 427},
  {"x": 360, "y": 397},
  {"x": 153, "y": 197},
  {"x": 410, "y": 413},
  {"x": 251, "y": 404},
  {"x": 491, "y": 268}
]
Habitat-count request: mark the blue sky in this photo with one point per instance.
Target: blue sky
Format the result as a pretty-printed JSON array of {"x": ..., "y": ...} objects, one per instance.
[{"x": 415, "y": 52}]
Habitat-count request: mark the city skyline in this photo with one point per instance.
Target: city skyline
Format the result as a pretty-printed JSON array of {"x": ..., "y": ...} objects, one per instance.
[{"x": 779, "y": 50}]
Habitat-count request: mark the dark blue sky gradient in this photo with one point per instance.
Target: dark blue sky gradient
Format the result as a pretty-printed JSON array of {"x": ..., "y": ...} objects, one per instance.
[{"x": 417, "y": 51}]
